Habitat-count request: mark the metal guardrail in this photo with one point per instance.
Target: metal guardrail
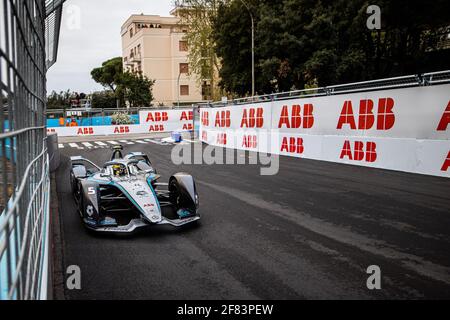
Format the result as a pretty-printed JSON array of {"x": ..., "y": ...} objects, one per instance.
[
  {"x": 110, "y": 111},
  {"x": 25, "y": 33},
  {"x": 426, "y": 79}
]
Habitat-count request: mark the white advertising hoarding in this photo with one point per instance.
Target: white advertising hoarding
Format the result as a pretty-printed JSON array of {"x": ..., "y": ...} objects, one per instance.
[{"x": 402, "y": 129}]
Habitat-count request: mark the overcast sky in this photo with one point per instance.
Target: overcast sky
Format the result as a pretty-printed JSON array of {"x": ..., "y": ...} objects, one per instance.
[{"x": 90, "y": 34}]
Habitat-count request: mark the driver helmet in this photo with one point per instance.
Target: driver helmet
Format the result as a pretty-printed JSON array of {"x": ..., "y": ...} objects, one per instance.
[{"x": 119, "y": 170}]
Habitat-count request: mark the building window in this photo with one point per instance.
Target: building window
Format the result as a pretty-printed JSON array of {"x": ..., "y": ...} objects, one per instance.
[
  {"x": 184, "y": 68},
  {"x": 183, "y": 46},
  {"x": 184, "y": 90}
]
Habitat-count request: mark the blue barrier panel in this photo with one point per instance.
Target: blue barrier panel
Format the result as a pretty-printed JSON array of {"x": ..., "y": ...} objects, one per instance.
[
  {"x": 8, "y": 154},
  {"x": 90, "y": 122},
  {"x": 3, "y": 260}
]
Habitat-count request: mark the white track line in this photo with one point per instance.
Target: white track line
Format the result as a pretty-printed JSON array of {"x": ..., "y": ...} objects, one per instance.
[
  {"x": 113, "y": 142},
  {"x": 74, "y": 145},
  {"x": 125, "y": 141},
  {"x": 140, "y": 141},
  {"x": 154, "y": 141},
  {"x": 87, "y": 144},
  {"x": 100, "y": 143}
]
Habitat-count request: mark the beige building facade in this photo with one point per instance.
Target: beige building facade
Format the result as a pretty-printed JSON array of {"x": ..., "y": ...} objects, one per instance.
[{"x": 155, "y": 46}]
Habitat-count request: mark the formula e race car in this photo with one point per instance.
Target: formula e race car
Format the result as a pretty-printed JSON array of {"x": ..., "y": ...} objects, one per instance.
[{"x": 125, "y": 194}]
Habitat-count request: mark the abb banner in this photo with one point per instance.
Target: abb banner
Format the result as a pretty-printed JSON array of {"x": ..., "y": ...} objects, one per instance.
[
  {"x": 150, "y": 122},
  {"x": 167, "y": 121},
  {"x": 401, "y": 129}
]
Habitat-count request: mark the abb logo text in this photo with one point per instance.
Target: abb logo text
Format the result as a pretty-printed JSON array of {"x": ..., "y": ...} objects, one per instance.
[
  {"x": 222, "y": 139},
  {"x": 156, "y": 128},
  {"x": 446, "y": 164},
  {"x": 205, "y": 118},
  {"x": 294, "y": 118},
  {"x": 250, "y": 141},
  {"x": 122, "y": 129},
  {"x": 385, "y": 118},
  {"x": 252, "y": 118},
  {"x": 157, "y": 117},
  {"x": 223, "y": 119},
  {"x": 292, "y": 145},
  {"x": 85, "y": 131},
  {"x": 360, "y": 152},
  {"x": 445, "y": 120},
  {"x": 187, "y": 115}
]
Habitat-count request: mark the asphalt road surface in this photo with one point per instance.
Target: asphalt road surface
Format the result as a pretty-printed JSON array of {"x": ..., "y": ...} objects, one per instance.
[{"x": 309, "y": 232}]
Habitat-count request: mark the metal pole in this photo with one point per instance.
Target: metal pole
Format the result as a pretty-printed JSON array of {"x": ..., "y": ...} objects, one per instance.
[
  {"x": 178, "y": 88},
  {"x": 253, "y": 56},
  {"x": 253, "y": 46}
]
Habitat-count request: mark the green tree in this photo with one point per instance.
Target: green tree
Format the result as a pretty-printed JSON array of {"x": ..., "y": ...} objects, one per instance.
[
  {"x": 198, "y": 15},
  {"x": 104, "y": 99},
  {"x": 137, "y": 89},
  {"x": 306, "y": 43},
  {"x": 134, "y": 87},
  {"x": 232, "y": 38},
  {"x": 109, "y": 75},
  {"x": 59, "y": 100}
]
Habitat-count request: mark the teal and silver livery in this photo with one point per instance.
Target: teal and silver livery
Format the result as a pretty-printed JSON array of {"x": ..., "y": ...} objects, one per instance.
[{"x": 125, "y": 194}]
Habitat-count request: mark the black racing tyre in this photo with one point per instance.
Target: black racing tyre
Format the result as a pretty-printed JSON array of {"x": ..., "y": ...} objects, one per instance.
[{"x": 175, "y": 194}]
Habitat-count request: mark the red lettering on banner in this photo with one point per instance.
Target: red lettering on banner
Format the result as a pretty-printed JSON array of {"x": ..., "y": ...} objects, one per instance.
[
  {"x": 346, "y": 151},
  {"x": 250, "y": 142},
  {"x": 223, "y": 119},
  {"x": 446, "y": 164},
  {"x": 358, "y": 155},
  {"x": 205, "y": 118},
  {"x": 188, "y": 126},
  {"x": 445, "y": 120},
  {"x": 187, "y": 116},
  {"x": 294, "y": 120},
  {"x": 253, "y": 118},
  {"x": 204, "y": 135},
  {"x": 386, "y": 118},
  {"x": 366, "y": 116},
  {"x": 371, "y": 152},
  {"x": 51, "y": 130},
  {"x": 359, "y": 152},
  {"x": 85, "y": 131},
  {"x": 157, "y": 117},
  {"x": 347, "y": 116},
  {"x": 122, "y": 129},
  {"x": 366, "y": 119},
  {"x": 308, "y": 117},
  {"x": 292, "y": 145},
  {"x": 222, "y": 138},
  {"x": 156, "y": 128}
]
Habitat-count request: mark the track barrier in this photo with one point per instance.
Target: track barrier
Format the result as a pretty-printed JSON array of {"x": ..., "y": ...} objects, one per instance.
[{"x": 406, "y": 129}]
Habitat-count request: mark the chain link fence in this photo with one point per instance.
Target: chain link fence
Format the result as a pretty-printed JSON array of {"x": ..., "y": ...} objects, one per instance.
[{"x": 27, "y": 48}]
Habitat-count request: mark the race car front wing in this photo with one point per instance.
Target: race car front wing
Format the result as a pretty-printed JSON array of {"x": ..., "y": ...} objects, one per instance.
[{"x": 141, "y": 223}]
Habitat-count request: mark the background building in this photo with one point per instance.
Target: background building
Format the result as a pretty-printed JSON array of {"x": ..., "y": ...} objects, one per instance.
[{"x": 154, "y": 45}]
